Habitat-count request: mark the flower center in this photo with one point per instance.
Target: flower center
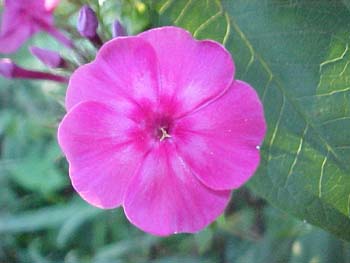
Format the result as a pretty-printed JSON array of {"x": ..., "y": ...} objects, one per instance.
[{"x": 163, "y": 134}]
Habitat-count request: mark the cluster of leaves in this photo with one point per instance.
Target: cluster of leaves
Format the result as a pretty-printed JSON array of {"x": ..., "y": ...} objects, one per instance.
[{"x": 294, "y": 52}]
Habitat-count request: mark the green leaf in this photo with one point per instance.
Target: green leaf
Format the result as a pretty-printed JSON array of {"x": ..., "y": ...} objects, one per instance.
[
  {"x": 203, "y": 239},
  {"x": 187, "y": 259},
  {"x": 295, "y": 53},
  {"x": 44, "y": 218},
  {"x": 319, "y": 246},
  {"x": 73, "y": 224},
  {"x": 118, "y": 249},
  {"x": 36, "y": 172}
]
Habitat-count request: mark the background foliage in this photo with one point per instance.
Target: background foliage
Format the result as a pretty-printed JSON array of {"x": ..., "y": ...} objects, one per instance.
[{"x": 295, "y": 53}]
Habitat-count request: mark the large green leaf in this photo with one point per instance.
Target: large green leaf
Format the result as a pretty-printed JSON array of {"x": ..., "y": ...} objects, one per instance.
[{"x": 296, "y": 55}]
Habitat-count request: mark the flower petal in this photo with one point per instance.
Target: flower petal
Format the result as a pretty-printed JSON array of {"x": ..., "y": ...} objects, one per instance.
[
  {"x": 164, "y": 197},
  {"x": 102, "y": 156},
  {"x": 50, "y": 5},
  {"x": 7, "y": 18},
  {"x": 25, "y": 4},
  {"x": 14, "y": 37},
  {"x": 191, "y": 72},
  {"x": 219, "y": 142},
  {"x": 124, "y": 68}
]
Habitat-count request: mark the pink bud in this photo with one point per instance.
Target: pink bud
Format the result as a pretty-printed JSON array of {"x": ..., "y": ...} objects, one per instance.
[
  {"x": 50, "y": 58},
  {"x": 6, "y": 68},
  {"x": 117, "y": 29},
  {"x": 87, "y": 22}
]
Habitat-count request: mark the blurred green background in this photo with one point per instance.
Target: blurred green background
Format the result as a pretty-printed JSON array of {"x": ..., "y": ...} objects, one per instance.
[{"x": 43, "y": 220}]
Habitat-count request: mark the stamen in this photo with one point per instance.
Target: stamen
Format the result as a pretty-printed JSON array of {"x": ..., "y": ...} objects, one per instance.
[{"x": 164, "y": 134}]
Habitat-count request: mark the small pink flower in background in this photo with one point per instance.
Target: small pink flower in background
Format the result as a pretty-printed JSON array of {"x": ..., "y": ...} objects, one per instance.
[
  {"x": 23, "y": 18},
  {"x": 158, "y": 124}
]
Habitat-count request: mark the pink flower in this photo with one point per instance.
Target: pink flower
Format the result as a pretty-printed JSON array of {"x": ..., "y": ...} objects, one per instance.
[
  {"x": 157, "y": 124},
  {"x": 23, "y": 18}
]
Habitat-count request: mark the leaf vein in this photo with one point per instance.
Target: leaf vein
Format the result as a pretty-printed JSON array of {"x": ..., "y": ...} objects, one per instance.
[
  {"x": 273, "y": 137},
  {"x": 291, "y": 169},
  {"x": 321, "y": 176},
  {"x": 165, "y": 6},
  {"x": 206, "y": 23},
  {"x": 183, "y": 11},
  {"x": 285, "y": 92}
]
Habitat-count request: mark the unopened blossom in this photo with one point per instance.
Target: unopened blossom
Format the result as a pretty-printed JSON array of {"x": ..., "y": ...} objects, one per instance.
[
  {"x": 157, "y": 124},
  {"x": 9, "y": 69},
  {"x": 23, "y": 18},
  {"x": 50, "y": 58},
  {"x": 117, "y": 29},
  {"x": 87, "y": 25}
]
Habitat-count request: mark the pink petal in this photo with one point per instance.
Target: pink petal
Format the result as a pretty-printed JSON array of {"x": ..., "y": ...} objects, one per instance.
[
  {"x": 13, "y": 38},
  {"x": 50, "y": 5},
  {"x": 10, "y": 4},
  {"x": 124, "y": 68},
  {"x": 7, "y": 17},
  {"x": 20, "y": 20},
  {"x": 32, "y": 7},
  {"x": 191, "y": 72},
  {"x": 164, "y": 197},
  {"x": 96, "y": 140},
  {"x": 219, "y": 142}
]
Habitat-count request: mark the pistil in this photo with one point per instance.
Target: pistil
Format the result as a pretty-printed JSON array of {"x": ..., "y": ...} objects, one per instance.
[{"x": 164, "y": 134}]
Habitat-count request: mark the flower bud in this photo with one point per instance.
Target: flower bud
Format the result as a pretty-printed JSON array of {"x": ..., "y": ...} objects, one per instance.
[
  {"x": 87, "y": 22},
  {"x": 9, "y": 69},
  {"x": 50, "y": 58},
  {"x": 117, "y": 29},
  {"x": 6, "y": 68}
]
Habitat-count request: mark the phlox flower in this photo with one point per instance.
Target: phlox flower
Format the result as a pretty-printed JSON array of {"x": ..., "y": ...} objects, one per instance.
[
  {"x": 157, "y": 124},
  {"x": 23, "y": 18}
]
